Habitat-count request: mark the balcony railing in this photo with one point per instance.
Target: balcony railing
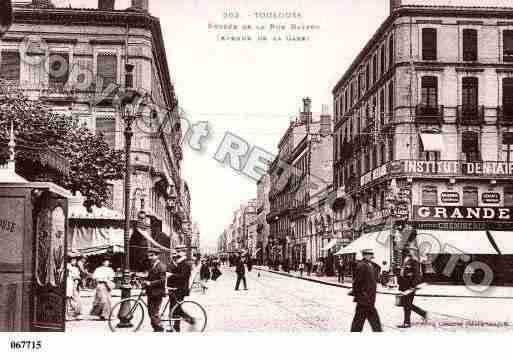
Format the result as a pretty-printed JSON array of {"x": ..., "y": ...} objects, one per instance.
[
  {"x": 431, "y": 115},
  {"x": 470, "y": 115},
  {"x": 505, "y": 115}
]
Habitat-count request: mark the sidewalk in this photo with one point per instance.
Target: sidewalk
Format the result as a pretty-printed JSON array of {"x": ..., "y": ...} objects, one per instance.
[{"x": 430, "y": 290}]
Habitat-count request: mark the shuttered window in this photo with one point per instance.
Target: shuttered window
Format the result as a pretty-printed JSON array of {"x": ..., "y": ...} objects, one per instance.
[
  {"x": 469, "y": 45},
  {"x": 10, "y": 66},
  {"x": 107, "y": 70},
  {"x": 429, "y": 46},
  {"x": 508, "y": 45},
  {"x": 107, "y": 127}
]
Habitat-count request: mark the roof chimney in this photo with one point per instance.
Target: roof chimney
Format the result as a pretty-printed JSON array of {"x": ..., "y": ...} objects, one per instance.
[
  {"x": 306, "y": 114},
  {"x": 140, "y": 5},
  {"x": 106, "y": 4},
  {"x": 394, "y": 4}
]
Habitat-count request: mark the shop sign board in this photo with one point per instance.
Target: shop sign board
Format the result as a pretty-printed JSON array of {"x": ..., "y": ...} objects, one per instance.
[
  {"x": 491, "y": 197},
  {"x": 467, "y": 214},
  {"x": 450, "y": 197}
]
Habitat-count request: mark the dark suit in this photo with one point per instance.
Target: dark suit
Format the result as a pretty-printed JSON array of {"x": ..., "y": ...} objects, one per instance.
[
  {"x": 155, "y": 292},
  {"x": 364, "y": 291},
  {"x": 241, "y": 274},
  {"x": 180, "y": 275},
  {"x": 409, "y": 278}
]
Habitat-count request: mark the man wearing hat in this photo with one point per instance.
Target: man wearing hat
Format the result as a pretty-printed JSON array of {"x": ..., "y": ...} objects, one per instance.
[
  {"x": 179, "y": 275},
  {"x": 155, "y": 287},
  {"x": 364, "y": 291},
  {"x": 409, "y": 278}
]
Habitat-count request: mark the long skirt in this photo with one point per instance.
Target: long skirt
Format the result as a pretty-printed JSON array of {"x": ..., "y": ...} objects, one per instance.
[
  {"x": 102, "y": 301},
  {"x": 73, "y": 305}
]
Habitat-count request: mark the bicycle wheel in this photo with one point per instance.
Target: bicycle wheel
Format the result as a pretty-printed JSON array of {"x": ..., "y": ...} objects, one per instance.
[
  {"x": 190, "y": 315},
  {"x": 135, "y": 313}
]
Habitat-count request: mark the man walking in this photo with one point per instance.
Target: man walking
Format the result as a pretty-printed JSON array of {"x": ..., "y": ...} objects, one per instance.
[
  {"x": 364, "y": 291},
  {"x": 241, "y": 273},
  {"x": 409, "y": 278},
  {"x": 155, "y": 288}
]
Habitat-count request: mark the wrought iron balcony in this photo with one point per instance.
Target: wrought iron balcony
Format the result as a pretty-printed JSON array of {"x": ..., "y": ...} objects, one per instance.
[
  {"x": 429, "y": 115},
  {"x": 470, "y": 115},
  {"x": 505, "y": 115}
]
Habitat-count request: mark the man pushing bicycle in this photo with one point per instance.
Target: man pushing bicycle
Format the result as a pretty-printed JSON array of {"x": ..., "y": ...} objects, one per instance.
[{"x": 179, "y": 273}]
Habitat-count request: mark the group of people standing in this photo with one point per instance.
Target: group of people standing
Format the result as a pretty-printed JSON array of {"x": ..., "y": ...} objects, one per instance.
[
  {"x": 77, "y": 276},
  {"x": 365, "y": 287}
]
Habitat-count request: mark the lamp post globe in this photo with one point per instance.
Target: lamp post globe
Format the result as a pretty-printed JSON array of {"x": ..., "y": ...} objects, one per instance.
[{"x": 5, "y": 16}]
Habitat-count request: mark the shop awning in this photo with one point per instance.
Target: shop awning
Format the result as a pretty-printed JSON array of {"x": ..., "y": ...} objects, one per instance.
[
  {"x": 377, "y": 241},
  {"x": 454, "y": 242},
  {"x": 330, "y": 244},
  {"x": 504, "y": 240},
  {"x": 151, "y": 241},
  {"x": 93, "y": 251},
  {"x": 432, "y": 142}
]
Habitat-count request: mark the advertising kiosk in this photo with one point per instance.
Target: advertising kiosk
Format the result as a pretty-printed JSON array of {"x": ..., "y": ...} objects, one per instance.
[{"x": 33, "y": 238}]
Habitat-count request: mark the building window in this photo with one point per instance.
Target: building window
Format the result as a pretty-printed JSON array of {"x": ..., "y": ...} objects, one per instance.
[
  {"x": 507, "y": 146},
  {"x": 470, "y": 147},
  {"x": 508, "y": 45},
  {"x": 107, "y": 127},
  {"x": 508, "y": 196},
  {"x": 507, "y": 97},
  {"x": 109, "y": 202},
  {"x": 391, "y": 104},
  {"x": 429, "y": 196},
  {"x": 374, "y": 69},
  {"x": 428, "y": 155},
  {"x": 469, "y": 45},
  {"x": 382, "y": 107},
  {"x": 382, "y": 60},
  {"x": 59, "y": 70},
  {"x": 375, "y": 157},
  {"x": 391, "y": 51},
  {"x": 367, "y": 76},
  {"x": 469, "y": 95},
  {"x": 10, "y": 66},
  {"x": 107, "y": 70},
  {"x": 470, "y": 197},
  {"x": 429, "y": 48},
  {"x": 391, "y": 149},
  {"x": 429, "y": 91}
]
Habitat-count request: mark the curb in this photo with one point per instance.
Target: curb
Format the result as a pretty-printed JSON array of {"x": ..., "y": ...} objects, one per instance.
[{"x": 320, "y": 281}]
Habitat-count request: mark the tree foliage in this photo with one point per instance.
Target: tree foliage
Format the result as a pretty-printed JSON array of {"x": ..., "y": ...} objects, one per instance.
[{"x": 93, "y": 163}]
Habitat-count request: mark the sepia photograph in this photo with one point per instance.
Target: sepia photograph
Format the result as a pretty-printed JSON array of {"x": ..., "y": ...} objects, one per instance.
[{"x": 277, "y": 166}]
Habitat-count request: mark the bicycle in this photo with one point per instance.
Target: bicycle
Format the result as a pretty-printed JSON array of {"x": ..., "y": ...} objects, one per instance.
[{"x": 196, "y": 321}]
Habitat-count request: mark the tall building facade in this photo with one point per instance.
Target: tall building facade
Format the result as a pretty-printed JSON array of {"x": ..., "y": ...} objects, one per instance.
[
  {"x": 74, "y": 59},
  {"x": 263, "y": 208},
  {"x": 299, "y": 175},
  {"x": 424, "y": 136}
]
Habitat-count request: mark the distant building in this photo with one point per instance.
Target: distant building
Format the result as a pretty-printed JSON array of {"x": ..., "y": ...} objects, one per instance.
[{"x": 301, "y": 172}]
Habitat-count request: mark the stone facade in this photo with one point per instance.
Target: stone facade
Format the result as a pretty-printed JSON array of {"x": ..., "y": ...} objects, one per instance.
[{"x": 91, "y": 47}]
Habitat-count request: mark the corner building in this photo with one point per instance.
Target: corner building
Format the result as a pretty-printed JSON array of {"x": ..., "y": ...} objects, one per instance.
[{"x": 425, "y": 111}]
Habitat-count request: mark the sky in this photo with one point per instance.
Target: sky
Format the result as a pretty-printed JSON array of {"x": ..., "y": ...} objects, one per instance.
[{"x": 251, "y": 89}]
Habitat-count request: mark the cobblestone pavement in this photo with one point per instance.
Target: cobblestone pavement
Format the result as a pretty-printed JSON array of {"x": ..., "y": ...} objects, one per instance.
[{"x": 278, "y": 303}]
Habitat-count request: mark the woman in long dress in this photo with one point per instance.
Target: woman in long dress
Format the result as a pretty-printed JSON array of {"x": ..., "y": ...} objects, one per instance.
[
  {"x": 104, "y": 277},
  {"x": 73, "y": 306}
]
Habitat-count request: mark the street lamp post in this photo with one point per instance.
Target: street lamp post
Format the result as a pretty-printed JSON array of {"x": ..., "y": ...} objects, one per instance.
[
  {"x": 5, "y": 16},
  {"x": 130, "y": 110}
]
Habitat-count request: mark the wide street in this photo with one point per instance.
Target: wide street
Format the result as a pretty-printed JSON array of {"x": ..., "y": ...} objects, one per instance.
[{"x": 279, "y": 303}]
